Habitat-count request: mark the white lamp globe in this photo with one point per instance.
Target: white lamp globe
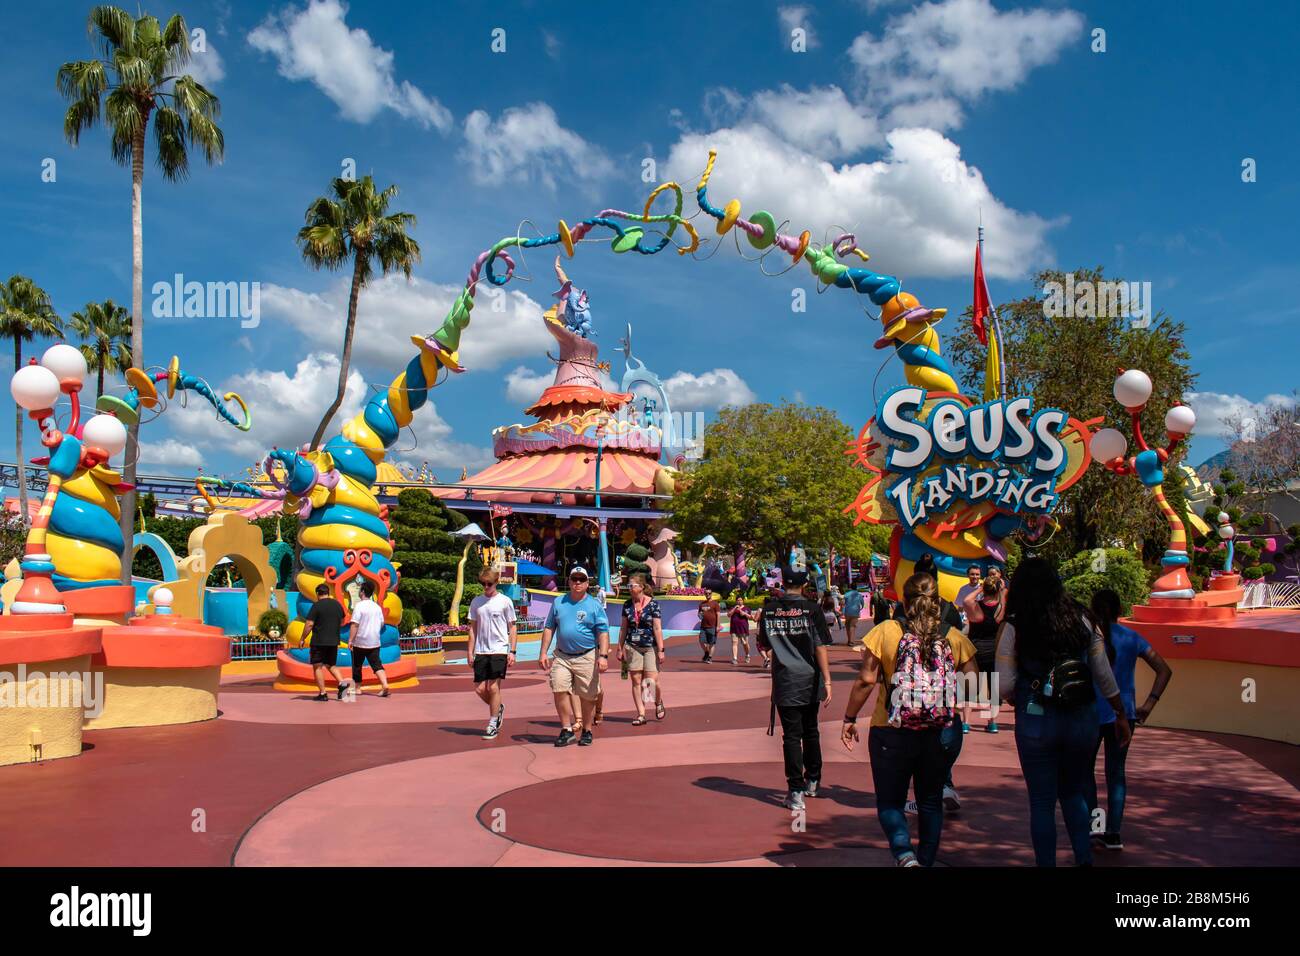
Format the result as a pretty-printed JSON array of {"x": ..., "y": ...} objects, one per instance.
[
  {"x": 1180, "y": 420},
  {"x": 163, "y": 597},
  {"x": 65, "y": 362},
  {"x": 1107, "y": 445},
  {"x": 34, "y": 387},
  {"x": 1133, "y": 388},
  {"x": 106, "y": 432},
  {"x": 1226, "y": 532}
]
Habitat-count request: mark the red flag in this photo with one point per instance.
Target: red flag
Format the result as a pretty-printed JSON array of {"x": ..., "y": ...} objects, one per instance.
[{"x": 980, "y": 303}]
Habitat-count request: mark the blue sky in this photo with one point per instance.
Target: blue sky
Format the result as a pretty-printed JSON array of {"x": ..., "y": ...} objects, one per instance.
[{"x": 900, "y": 123}]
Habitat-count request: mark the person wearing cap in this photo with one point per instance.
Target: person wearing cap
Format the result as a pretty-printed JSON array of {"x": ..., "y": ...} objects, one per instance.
[
  {"x": 794, "y": 630},
  {"x": 580, "y": 627}
]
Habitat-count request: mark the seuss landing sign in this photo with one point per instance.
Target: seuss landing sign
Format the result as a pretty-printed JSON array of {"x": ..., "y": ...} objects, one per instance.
[
  {"x": 1023, "y": 448},
  {"x": 955, "y": 478}
]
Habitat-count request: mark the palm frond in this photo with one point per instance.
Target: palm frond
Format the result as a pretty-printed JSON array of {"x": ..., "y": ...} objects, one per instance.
[
  {"x": 169, "y": 131},
  {"x": 116, "y": 29}
]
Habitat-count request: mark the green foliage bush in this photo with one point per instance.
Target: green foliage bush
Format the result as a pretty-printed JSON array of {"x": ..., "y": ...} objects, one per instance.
[
  {"x": 270, "y": 620},
  {"x": 1122, "y": 571},
  {"x": 411, "y": 619}
]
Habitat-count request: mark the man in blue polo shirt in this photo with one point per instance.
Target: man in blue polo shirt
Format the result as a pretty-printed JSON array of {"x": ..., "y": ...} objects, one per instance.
[{"x": 580, "y": 627}]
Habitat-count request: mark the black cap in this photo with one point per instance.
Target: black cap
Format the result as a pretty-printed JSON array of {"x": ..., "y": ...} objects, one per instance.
[{"x": 794, "y": 579}]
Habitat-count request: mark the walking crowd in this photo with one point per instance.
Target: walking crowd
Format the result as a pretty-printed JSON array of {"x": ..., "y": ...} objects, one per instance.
[{"x": 1066, "y": 671}]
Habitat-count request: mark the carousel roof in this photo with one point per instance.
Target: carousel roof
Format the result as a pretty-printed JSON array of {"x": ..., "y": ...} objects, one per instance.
[{"x": 621, "y": 473}]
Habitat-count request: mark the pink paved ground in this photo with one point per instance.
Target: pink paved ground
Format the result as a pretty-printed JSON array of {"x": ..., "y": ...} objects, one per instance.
[{"x": 282, "y": 780}]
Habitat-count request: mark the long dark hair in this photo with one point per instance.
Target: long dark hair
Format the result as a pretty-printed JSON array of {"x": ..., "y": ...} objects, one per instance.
[
  {"x": 1049, "y": 623},
  {"x": 921, "y": 602},
  {"x": 1106, "y": 607}
]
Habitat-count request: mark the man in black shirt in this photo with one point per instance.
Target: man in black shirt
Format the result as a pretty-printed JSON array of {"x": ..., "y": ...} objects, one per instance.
[
  {"x": 324, "y": 622},
  {"x": 794, "y": 630}
]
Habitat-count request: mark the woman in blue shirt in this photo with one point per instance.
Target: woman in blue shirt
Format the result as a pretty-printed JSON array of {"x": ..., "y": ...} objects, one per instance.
[{"x": 1123, "y": 647}]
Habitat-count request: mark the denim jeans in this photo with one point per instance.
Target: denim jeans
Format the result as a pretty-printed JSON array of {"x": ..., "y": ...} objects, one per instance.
[
  {"x": 951, "y": 738},
  {"x": 1116, "y": 781},
  {"x": 1056, "y": 750},
  {"x": 898, "y": 757},
  {"x": 801, "y": 744}
]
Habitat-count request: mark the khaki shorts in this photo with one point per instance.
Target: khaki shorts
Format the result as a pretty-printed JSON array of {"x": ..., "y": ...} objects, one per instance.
[
  {"x": 575, "y": 674},
  {"x": 642, "y": 659}
]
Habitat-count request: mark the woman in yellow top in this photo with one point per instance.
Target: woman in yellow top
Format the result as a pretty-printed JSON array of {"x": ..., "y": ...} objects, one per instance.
[{"x": 921, "y": 663}]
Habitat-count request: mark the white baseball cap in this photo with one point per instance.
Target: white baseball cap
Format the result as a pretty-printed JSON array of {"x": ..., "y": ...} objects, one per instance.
[{"x": 579, "y": 569}]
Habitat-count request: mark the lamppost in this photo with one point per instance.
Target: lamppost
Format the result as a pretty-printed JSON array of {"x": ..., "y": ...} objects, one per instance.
[
  {"x": 1108, "y": 446},
  {"x": 36, "y": 388}
]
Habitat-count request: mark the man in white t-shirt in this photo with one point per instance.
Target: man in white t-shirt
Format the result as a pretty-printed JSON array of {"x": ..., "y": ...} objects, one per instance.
[
  {"x": 363, "y": 642},
  {"x": 493, "y": 635}
]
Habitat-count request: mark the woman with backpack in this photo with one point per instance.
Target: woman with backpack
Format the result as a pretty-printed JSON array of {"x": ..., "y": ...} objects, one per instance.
[
  {"x": 1123, "y": 648},
  {"x": 917, "y": 658},
  {"x": 1051, "y": 655}
]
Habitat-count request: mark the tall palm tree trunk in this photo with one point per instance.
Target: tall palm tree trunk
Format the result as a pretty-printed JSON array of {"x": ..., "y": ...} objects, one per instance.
[
  {"x": 99, "y": 378},
  {"x": 347, "y": 352},
  {"x": 137, "y": 335},
  {"x": 18, "y": 438}
]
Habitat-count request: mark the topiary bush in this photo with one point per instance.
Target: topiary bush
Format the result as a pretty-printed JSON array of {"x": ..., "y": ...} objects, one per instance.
[
  {"x": 411, "y": 619},
  {"x": 1122, "y": 571},
  {"x": 271, "y": 620}
]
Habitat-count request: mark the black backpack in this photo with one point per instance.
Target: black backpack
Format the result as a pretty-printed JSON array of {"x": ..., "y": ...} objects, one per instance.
[{"x": 1068, "y": 684}]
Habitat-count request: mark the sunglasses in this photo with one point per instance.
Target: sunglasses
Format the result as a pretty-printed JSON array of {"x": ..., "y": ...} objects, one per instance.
[{"x": 578, "y": 577}]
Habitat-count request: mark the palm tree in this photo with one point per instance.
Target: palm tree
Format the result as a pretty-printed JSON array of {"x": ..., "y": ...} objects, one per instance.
[
  {"x": 105, "y": 332},
  {"x": 27, "y": 313},
  {"x": 356, "y": 225},
  {"x": 144, "y": 61}
]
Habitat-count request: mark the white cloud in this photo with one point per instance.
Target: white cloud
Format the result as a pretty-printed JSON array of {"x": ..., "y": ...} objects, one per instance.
[
  {"x": 936, "y": 54},
  {"x": 314, "y": 43},
  {"x": 552, "y": 44},
  {"x": 391, "y": 310},
  {"x": 169, "y": 453},
  {"x": 689, "y": 392},
  {"x": 206, "y": 67},
  {"x": 821, "y": 121},
  {"x": 523, "y": 385},
  {"x": 914, "y": 210},
  {"x": 1212, "y": 408},
  {"x": 797, "y": 16},
  {"x": 287, "y": 405},
  {"x": 528, "y": 144}
]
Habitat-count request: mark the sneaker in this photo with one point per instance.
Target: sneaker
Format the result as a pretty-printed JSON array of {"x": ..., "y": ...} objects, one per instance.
[
  {"x": 493, "y": 728},
  {"x": 910, "y": 807},
  {"x": 951, "y": 802},
  {"x": 965, "y": 727},
  {"x": 907, "y": 859},
  {"x": 586, "y": 739},
  {"x": 384, "y": 693},
  {"x": 321, "y": 697},
  {"x": 794, "y": 800},
  {"x": 565, "y": 738},
  {"x": 1112, "y": 841},
  {"x": 810, "y": 788},
  {"x": 992, "y": 727},
  {"x": 343, "y": 689}
]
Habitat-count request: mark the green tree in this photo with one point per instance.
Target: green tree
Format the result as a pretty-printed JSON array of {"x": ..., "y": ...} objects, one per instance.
[
  {"x": 137, "y": 77},
  {"x": 1071, "y": 363},
  {"x": 1122, "y": 571},
  {"x": 27, "y": 314},
  {"x": 105, "y": 332},
  {"x": 355, "y": 224},
  {"x": 428, "y": 553},
  {"x": 771, "y": 477}
]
